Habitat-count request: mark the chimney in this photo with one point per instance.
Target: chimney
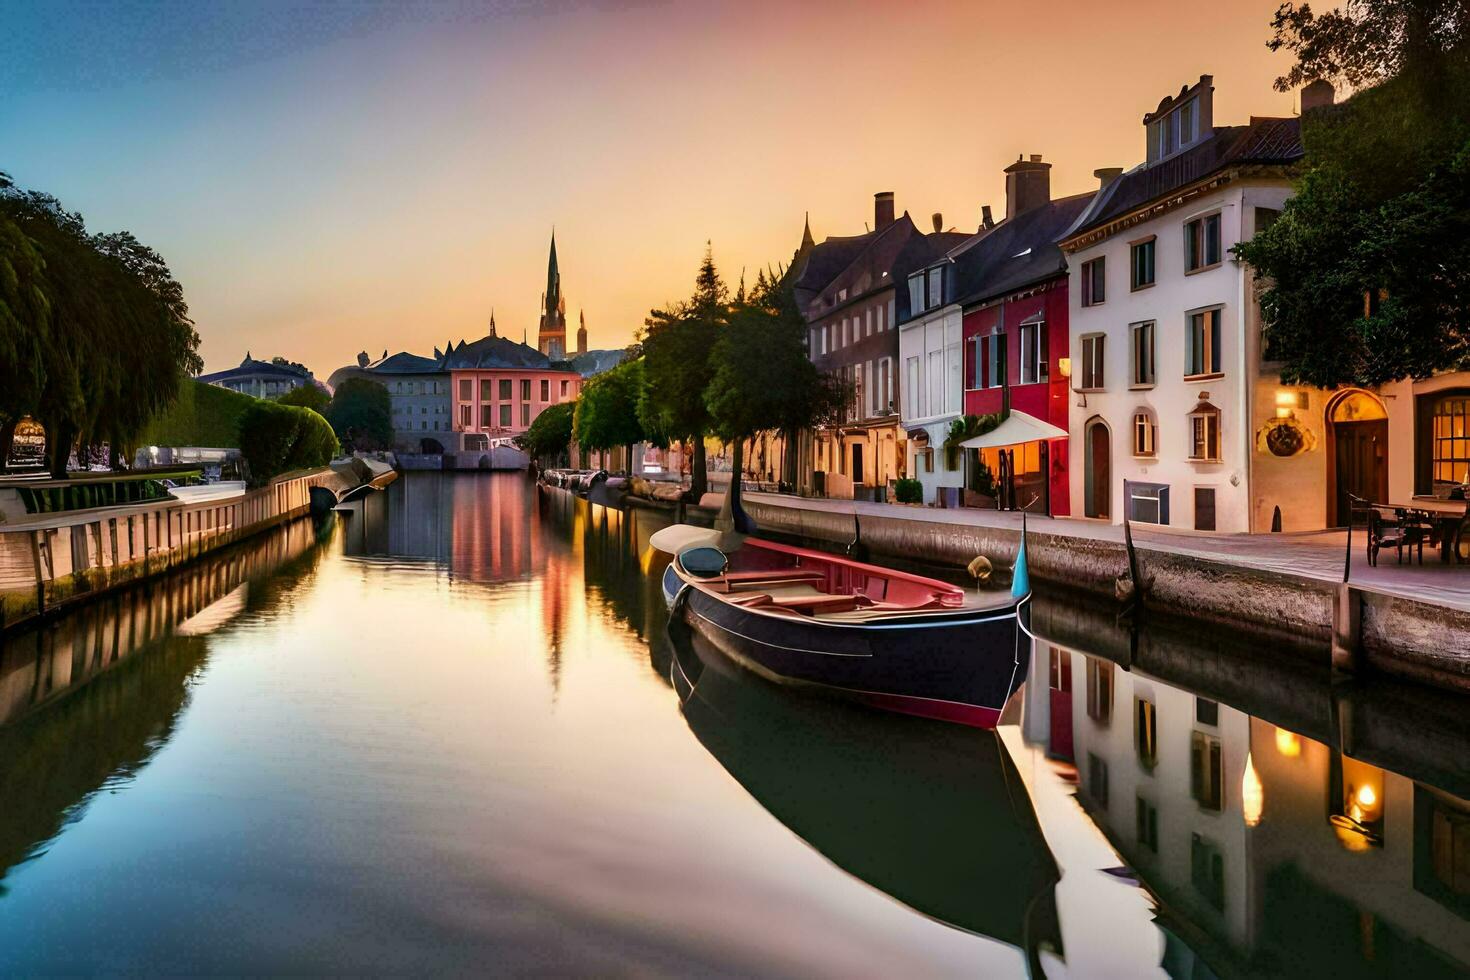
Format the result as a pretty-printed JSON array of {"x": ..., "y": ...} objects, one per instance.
[
  {"x": 1028, "y": 185},
  {"x": 1106, "y": 175},
  {"x": 1317, "y": 94},
  {"x": 938, "y": 220},
  {"x": 882, "y": 210},
  {"x": 987, "y": 221}
]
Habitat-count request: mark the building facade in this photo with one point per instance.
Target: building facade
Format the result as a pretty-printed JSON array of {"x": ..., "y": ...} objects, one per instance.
[
  {"x": 498, "y": 387},
  {"x": 1164, "y": 331},
  {"x": 261, "y": 379}
]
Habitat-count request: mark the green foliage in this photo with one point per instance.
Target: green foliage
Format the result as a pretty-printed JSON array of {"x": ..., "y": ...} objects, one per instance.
[
  {"x": 606, "y": 415},
  {"x": 276, "y": 439},
  {"x": 307, "y": 396},
  {"x": 96, "y": 332},
  {"x": 361, "y": 413},
  {"x": 1364, "y": 42},
  {"x": 908, "y": 491},
  {"x": 200, "y": 415},
  {"x": 550, "y": 432},
  {"x": 1365, "y": 275}
]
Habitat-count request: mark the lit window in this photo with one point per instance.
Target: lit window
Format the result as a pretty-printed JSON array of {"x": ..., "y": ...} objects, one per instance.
[
  {"x": 1146, "y": 732},
  {"x": 1100, "y": 690},
  {"x": 1206, "y": 771},
  {"x": 1145, "y": 435},
  {"x": 1450, "y": 439}
]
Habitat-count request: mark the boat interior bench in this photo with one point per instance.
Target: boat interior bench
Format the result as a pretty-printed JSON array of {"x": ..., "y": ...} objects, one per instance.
[{"x": 767, "y": 578}]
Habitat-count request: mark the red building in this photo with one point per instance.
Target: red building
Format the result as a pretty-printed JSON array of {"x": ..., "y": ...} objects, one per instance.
[{"x": 1011, "y": 283}]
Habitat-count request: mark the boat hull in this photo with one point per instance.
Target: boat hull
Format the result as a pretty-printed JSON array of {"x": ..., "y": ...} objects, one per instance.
[{"x": 956, "y": 665}]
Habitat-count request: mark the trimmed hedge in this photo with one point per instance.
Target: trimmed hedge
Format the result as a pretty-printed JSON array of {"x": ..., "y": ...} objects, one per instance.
[
  {"x": 276, "y": 439},
  {"x": 907, "y": 491},
  {"x": 201, "y": 415}
]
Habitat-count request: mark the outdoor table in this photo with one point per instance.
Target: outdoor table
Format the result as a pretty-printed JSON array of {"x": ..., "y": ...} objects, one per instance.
[{"x": 1446, "y": 517}]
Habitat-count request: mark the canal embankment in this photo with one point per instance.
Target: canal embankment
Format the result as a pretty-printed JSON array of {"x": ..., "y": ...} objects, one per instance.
[
  {"x": 52, "y": 560},
  {"x": 1409, "y": 621}
]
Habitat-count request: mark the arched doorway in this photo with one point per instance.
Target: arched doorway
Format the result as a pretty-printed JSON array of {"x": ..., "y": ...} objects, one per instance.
[
  {"x": 1357, "y": 453},
  {"x": 1097, "y": 445}
]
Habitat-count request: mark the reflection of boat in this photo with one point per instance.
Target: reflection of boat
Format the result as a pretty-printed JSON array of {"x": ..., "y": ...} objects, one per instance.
[
  {"x": 893, "y": 639},
  {"x": 932, "y": 814}
]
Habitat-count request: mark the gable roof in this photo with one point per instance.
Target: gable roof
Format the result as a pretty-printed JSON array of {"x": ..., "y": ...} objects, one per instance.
[
  {"x": 1017, "y": 252},
  {"x": 494, "y": 352},
  {"x": 404, "y": 363},
  {"x": 1265, "y": 140}
]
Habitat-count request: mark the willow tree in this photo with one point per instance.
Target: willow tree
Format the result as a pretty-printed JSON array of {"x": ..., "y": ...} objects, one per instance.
[
  {"x": 97, "y": 322},
  {"x": 678, "y": 343}
]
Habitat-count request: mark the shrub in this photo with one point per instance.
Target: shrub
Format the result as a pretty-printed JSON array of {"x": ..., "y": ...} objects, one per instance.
[
  {"x": 276, "y": 439},
  {"x": 907, "y": 491}
]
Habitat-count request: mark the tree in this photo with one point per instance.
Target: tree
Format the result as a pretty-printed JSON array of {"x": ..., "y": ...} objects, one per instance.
[
  {"x": 362, "y": 415},
  {"x": 1365, "y": 275},
  {"x": 550, "y": 433},
  {"x": 307, "y": 396},
  {"x": 607, "y": 409},
  {"x": 98, "y": 322},
  {"x": 677, "y": 346}
]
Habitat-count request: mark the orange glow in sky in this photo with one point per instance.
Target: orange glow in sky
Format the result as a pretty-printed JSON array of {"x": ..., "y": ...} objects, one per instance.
[{"x": 384, "y": 187}]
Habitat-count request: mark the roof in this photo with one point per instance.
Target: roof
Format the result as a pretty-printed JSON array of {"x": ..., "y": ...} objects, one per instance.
[
  {"x": 494, "y": 352},
  {"x": 250, "y": 367},
  {"x": 1265, "y": 140},
  {"x": 1017, "y": 252},
  {"x": 404, "y": 363},
  {"x": 825, "y": 262}
]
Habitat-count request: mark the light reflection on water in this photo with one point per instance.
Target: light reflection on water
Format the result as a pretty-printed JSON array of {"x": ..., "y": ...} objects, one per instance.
[{"x": 445, "y": 739}]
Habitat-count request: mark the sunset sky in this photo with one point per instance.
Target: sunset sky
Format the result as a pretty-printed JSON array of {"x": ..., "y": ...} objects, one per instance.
[{"x": 330, "y": 177}]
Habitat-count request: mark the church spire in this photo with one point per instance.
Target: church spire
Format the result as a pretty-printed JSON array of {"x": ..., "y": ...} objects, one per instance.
[
  {"x": 806, "y": 233},
  {"x": 582, "y": 332},
  {"x": 551, "y": 336},
  {"x": 492, "y": 322}
]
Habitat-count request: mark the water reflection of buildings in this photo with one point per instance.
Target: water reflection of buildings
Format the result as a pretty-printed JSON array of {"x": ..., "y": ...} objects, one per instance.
[
  {"x": 1269, "y": 850},
  {"x": 87, "y": 700}
]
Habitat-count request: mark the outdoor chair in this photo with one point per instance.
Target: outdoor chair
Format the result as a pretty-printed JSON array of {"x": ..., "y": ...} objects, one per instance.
[{"x": 1394, "y": 529}]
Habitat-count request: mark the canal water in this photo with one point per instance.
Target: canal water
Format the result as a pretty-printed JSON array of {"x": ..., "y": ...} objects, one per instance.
[{"x": 439, "y": 735}]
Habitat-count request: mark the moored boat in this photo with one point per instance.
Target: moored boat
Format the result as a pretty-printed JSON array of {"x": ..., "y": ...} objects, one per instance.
[{"x": 893, "y": 639}]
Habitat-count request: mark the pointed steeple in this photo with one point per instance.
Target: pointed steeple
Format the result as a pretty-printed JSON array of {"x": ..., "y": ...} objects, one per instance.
[
  {"x": 582, "y": 332},
  {"x": 551, "y": 334},
  {"x": 492, "y": 323},
  {"x": 806, "y": 233}
]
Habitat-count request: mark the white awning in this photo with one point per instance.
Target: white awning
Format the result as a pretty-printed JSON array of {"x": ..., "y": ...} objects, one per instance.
[{"x": 1017, "y": 428}]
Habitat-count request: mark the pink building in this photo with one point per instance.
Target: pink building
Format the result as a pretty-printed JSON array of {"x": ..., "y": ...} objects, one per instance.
[{"x": 498, "y": 387}]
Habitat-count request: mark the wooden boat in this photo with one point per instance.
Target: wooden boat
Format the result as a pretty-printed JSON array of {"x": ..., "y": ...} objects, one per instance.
[
  {"x": 934, "y": 815},
  {"x": 895, "y": 640}
]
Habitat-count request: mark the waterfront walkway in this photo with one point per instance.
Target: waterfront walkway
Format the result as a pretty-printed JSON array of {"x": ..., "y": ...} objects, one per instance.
[{"x": 1316, "y": 555}]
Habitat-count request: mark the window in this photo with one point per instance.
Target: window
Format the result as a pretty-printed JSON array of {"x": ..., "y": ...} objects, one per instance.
[
  {"x": 1148, "y": 824},
  {"x": 885, "y": 385},
  {"x": 1204, "y": 508},
  {"x": 1142, "y": 265},
  {"x": 486, "y": 418},
  {"x": 936, "y": 287},
  {"x": 911, "y": 380},
  {"x": 525, "y": 412},
  {"x": 1092, "y": 362},
  {"x": 1094, "y": 281},
  {"x": 1202, "y": 344},
  {"x": 1145, "y": 435},
  {"x": 869, "y": 331},
  {"x": 1207, "y": 712},
  {"x": 1202, "y": 243},
  {"x": 1146, "y": 732},
  {"x": 525, "y": 389},
  {"x": 1450, "y": 440},
  {"x": 1097, "y": 779},
  {"x": 997, "y": 361},
  {"x": 935, "y": 369},
  {"x": 466, "y": 389},
  {"x": 1204, "y": 433},
  {"x": 565, "y": 385},
  {"x": 1033, "y": 352},
  {"x": 1188, "y": 122},
  {"x": 505, "y": 389},
  {"x": 1206, "y": 771},
  {"x": 1142, "y": 354},
  {"x": 977, "y": 363},
  {"x": 1442, "y": 849},
  {"x": 1207, "y": 870},
  {"x": 1148, "y": 503},
  {"x": 545, "y": 389},
  {"x": 485, "y": 390},
  {"x": 464, "y": 416},
  {"x": 1100, "y": 691},
  {"x": 916, "y": 293},
  {"x": 505, "y": 415}
]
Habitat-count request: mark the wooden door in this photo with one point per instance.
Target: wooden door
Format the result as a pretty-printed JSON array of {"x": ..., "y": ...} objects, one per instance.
[
  {"x": 1361, "y": 464},
  {"x": 1099, "y": 463}
]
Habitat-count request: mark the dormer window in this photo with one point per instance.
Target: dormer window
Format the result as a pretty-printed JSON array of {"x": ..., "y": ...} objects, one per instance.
[{"x": 926, "y": 290}]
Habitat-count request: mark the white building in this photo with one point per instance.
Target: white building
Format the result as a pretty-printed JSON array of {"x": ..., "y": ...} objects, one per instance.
[
  {"x": 931, "y": 357},
  {"x": 1165, "y": 331}
]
